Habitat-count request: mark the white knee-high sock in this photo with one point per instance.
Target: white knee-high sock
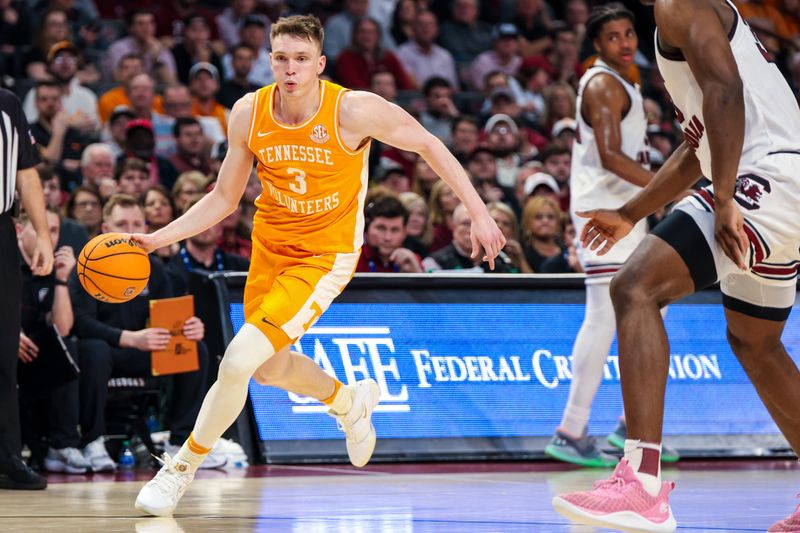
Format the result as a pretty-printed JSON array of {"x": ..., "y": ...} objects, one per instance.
[
  {"x": 248, "y": 350},
  {"x": 589, "y": 357}
]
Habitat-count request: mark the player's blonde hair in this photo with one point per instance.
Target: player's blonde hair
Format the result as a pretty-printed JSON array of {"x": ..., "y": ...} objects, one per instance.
[{"x": 306, "y": 27}]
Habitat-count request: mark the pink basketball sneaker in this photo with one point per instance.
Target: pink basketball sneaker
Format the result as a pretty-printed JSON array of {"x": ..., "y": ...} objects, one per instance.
[
  {"x": 619, "y": 502},
  {"x": 790, "y": 524}
]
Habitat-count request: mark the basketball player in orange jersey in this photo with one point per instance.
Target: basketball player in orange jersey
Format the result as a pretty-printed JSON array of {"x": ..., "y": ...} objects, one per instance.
[{"x": 311, "y": 142}]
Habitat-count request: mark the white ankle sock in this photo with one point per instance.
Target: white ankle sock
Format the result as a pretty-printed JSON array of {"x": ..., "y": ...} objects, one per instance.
[
  {"x": 633, "y": 453},
  {"x": 343, "y": 400}
]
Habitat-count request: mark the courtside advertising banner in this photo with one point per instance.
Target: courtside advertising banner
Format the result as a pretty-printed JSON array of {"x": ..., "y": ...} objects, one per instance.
[{"x": 504, "y": 370}]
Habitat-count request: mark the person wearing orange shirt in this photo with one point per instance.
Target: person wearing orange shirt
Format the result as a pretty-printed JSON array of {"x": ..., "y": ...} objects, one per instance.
[
  {"x": 204, "y": 86},
  {"x": 310, "y": 139}
]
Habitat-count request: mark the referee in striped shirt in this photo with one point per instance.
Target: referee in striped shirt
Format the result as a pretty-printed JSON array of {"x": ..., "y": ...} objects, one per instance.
[{"x": 18, "y": 157}]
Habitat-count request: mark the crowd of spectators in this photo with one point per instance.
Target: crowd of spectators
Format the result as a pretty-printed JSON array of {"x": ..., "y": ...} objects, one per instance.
[{"x": 129, "y": 102}]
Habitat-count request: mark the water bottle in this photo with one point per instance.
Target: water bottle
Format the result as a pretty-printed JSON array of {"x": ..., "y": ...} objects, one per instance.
[
  {"x": 152, "y": 420},
  {"x": 126, "y": 458}
]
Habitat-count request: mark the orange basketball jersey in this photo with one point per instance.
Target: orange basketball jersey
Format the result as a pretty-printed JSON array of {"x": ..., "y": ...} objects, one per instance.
[{"x": 314, "y": 185}]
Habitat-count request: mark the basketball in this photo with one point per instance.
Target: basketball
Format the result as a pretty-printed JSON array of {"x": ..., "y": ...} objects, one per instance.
[{"x": 112, "y": 268}]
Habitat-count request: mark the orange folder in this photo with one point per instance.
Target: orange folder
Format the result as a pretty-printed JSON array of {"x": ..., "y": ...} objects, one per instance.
[{"x": 181, "y": 353}]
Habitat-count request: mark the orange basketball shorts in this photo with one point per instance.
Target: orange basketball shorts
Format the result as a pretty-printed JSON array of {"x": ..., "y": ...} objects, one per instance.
[{"x": 285, "y": 295}]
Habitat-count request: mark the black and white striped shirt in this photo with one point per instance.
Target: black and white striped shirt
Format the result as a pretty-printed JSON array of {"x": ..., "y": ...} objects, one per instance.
[{"x": 17, "y": 147}]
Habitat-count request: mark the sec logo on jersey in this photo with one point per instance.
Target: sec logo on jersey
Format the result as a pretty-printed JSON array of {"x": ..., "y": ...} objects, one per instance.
[{"x": 319, "y": 134}]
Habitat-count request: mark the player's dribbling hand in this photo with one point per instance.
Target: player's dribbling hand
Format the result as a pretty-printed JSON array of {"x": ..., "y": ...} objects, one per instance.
[
  {"x": 729, "y": 232},
  {"x": 605, "y": 228},
  {"x": 145, "y": 241},
  {"x": 487, "y": 239}
]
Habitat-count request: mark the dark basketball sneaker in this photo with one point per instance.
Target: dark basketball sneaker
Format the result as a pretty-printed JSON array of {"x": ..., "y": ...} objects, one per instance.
[
  {"x": 16, "y": 475},
  {"x": 583, "y": 451},
  {"x": 617, "y": 440}
]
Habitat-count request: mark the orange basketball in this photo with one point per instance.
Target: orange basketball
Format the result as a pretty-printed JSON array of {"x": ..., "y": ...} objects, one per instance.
[{"x": 112, "y": 268}]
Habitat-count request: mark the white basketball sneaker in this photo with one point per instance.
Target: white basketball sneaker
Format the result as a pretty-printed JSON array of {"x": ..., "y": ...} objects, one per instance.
[
  {"x": 160, "y": 495},
  {"x": 357, "y": 423}
]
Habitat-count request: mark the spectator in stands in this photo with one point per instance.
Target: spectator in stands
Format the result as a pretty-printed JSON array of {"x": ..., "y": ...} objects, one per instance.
[
  {"x": 140, "y": 91},
  {"x": 541, "y": 227},
  {"x": 576, "y": 15},
  {"x": 192, "y": 151},
  {"x": 170, "y": 16},
  {"x": 562, "y": 61},
  {"x": 567, "y": 261},
  {"x": 402, "y": 29},
  {"x": 339, "y": 27},
  {"x": 97, "y": 168},
  {"x": 56, "y": 132},
  {"x": 54, "y": 29},
  {"x": 458, "y": 254},
  {"x": 441, "y": 205},
  {"x": 140, "y": 143},
  {"x": 512, "y": 252},
  {"x": 218, "y": 152},
  {"x": 85, "y": 207},
  {"x": 557, "y": 160},
  {"x": 382, "y": 83},
  {"x": 235, "y": 234},
  {"x": 79, "y": 13},
  {"x": 159, "y": 210},
  {"x": 113, "y": 341},
  {"x": 559, "y": 103},
  {"x": 385, "y": 223},
  {"x": 768, "y": 23},
  {"x": 394, "y": 178},
  {"x": 530, "y": 95},
  {"x": 141, "y": 40},
  {"x": 253, "y": 33},
  {"x": 77, "y": 100},
  {"x": 51, "y": 187},
  {"x": 419, "y": 234},
  {"x": 178, "y": 103},
  {"x": 46, "y": 303},
  {"x": 114, "y": 136},
  {"x": 129, "y": 66},
  {"x": 503, "y": 57},
  {"x": 424, "y": 178},
  {"x": 238, "y": 83},
  {"x": 504, "y": 141},
  {"x": 464, "y": 35},
  {"x": 232, "y": 19},
  {"x": 195, "y": 46},
  {"x": 15, "y": 35},
  {"x": 564, "y": 131},
  {"x": 440, "y": 110},
  {"x": 661, "y": 139},
  {"x": 465, "y": 136},
  {"x": 533, "y": 23},
  {"x": 482, "y": 167},
  {"x": 365, "y": 55},
  {"x": 132, "y": 176},
  {"x": 190, "y": 186},
  {"x": 204, "y": 86},
  {"x": 536, "y": 184},
  {"x": 200, "y": 252},
  {"x": 422, "y": 58}
]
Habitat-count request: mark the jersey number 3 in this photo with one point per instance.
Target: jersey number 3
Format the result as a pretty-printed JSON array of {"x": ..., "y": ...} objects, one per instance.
[{"x": 298, "y": 186}]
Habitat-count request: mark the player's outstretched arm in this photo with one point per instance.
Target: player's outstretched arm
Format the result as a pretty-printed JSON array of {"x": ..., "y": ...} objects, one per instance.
[
  {"x": 604, "y": 105},
  {"x": 371, "y": 116},
  {"x": 224, "y": 199}
]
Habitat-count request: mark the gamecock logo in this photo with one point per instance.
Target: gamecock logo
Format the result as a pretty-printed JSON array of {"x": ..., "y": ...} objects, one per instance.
[{"x": 750, "y": 190}]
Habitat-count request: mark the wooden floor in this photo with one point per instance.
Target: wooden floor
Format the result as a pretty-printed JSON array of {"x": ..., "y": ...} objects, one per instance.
[{"x": 400, "y": 498}]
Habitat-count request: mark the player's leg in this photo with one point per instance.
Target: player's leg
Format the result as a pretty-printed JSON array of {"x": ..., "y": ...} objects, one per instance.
[
  {"x": 221, "y": 406},
  {"x": 302, "y": 292},
  {"x": 668, "y": 264},
  {"x": 571, "y": 442},
  {"x": 754, "y": 332}
]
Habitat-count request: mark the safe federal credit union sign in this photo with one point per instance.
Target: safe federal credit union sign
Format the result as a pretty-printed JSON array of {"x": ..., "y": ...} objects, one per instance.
[{"x": 491, "y": 370}]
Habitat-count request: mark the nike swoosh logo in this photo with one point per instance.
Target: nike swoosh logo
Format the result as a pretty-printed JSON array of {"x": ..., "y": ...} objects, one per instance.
[
  {"x": 261, "y": 134},
  {"x": 265, "y": 321}
]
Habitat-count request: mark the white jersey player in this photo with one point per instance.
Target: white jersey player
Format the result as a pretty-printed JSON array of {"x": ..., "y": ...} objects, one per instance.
[
  {"x": 609, "y": 167},
  {"x": 741, "y": 126}
]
